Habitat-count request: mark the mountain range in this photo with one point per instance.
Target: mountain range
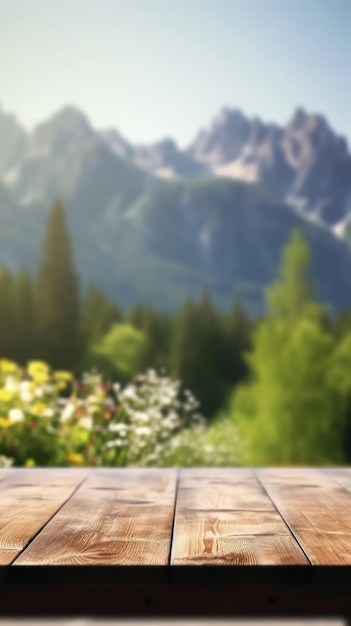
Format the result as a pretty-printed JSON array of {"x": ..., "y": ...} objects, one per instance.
[{"x": 157, "y": 223}]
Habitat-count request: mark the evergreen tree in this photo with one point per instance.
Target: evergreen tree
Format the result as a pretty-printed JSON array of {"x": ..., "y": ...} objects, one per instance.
[
  {"x": 197, "y": 353},
  {"x": 293, "y": 410},
  {"x": 183, "y": 354},
  {"x": 99, "y": 313},
  {"x": 7, "y": 328},
  {"x": 24, "y": 317},
  {"x": 292, "y": 296},
  {"x": 157, "y": 329},
  {"x": 57, "y": 301},
  {"x": 136, "y": 315},
  {"x": 237, "y": 330}
]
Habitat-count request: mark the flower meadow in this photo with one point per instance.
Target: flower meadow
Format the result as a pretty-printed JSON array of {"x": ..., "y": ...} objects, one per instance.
[{"x": 49, "y": 418}]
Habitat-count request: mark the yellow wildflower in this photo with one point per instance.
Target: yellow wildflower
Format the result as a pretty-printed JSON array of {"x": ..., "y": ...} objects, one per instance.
[
  {"x": 6, "y": 395},
  {"x": 40, "y": 377},
  {"x": 62, "y": 384},
  {"x": 30, "y": 463},
  {"x": 62, "y": 375},
  {"x": 7, "y": 366},
  {"x": 38, "y": 408},
  {"x": 107, "y": 415},
  {"x": 34, "y": 367},
  {"x": 5, "y": 422},
  {"x": 75, "y": 459}
]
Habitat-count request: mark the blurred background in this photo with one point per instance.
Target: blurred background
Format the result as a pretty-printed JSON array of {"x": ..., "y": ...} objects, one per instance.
[{"x": 175, "y": 232}]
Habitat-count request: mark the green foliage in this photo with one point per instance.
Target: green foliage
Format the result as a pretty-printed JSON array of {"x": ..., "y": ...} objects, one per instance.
[
  {"x": 57, "y": 301},
  {"x": 237, "y": 329},
  {"x": 7, "y": 328},
  {"x": 120, "y": 351},
  {"x": 24, "y": 317},
  {"x": 207, "y": 351},
  {"x": 98, "y": 315},
  {"x": 157, "y": 328},
  {"x": 216, "y": 445},
  {"x": 293, "y": 409},
  {"x": 293, "y": 295}
]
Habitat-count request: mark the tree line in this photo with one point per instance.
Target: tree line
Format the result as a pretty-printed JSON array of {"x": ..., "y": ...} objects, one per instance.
[
  {"x": 284, "y": 380},
  {"x": 47, "y": 317}
]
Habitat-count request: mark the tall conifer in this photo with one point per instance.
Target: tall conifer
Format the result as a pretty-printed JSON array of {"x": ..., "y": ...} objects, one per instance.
[
  {"x": 57, "y": 302},
  {"x": 6, "y": 314},
  {"x": 24, "y": 317}
]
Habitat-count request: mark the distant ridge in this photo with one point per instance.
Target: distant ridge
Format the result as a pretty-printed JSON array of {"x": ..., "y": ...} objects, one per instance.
[{"x": 156, "y": 223}]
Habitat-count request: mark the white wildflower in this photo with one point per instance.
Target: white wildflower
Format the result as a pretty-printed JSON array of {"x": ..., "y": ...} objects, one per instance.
[
  {"x": 11, "y": 383},
  {"x": 6, "y": 461},
  {"x": 16, "y": 415},
  {"x": 26, "y": 394},
  {"x": 86, "y": 422},
  {"x": 116, "y": 443},
  {"x": 129, "y": 393},
  {"x": 142, "y": 431},
  {"x": 67, "y": 412},
  {"x": 118, "y": 428},
  {"x": 141, "y": 417},
  {"x": 92, "y": 399}
]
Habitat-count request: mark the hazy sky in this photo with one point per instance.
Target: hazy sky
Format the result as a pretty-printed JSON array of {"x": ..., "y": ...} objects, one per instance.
[{"x": 155, "y": 68}]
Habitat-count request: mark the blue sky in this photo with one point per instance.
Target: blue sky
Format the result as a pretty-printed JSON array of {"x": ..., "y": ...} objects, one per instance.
[{"x": 156, "y": 68}]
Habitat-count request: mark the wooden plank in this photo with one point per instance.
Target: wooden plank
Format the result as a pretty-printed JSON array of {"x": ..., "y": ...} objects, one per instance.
[
  {"x": 119, "y": 517},
  {"x": 29, "y": 498},
  {"x": 224, "y": 517},
  {"x": 341, "y": 475},
  {"x": 316, "y": 508},
  {"x": 7, "y": 556}
]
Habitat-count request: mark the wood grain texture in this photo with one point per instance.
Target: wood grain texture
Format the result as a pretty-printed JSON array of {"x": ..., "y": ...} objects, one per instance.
[
  {"x": 224, "y": 517},
  {"x": 341, "y": 475},
  {"x": 118, "y": 517},
  {"x": 29, "y": 498},
  {"x": 316, "y": 508},
  {"x": 7, "y": 556}
]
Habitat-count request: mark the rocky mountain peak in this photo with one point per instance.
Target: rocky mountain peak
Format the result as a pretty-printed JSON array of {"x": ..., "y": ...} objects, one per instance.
[
  {"x": 117, "y": 143},
  {"x": 223, "y": 140},
  {"x": 67, "y": 126},
  {"x": 13, "y": 142}
]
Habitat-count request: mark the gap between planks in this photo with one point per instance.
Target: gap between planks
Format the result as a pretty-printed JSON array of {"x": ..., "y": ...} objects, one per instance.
[{"x": 316, "y": 507}]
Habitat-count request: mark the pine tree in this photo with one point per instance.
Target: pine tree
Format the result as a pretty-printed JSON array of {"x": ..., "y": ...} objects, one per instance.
[
  {"x": 24, "y": 317},
  {"x": 156, "y": 326},
  {"x": 136, "y": 315},
  {"x": 183, "y": 354},
  {"x": 99, "y": 313},
  {"x": 7, "y": 328},
  {"x": 236, "y": 330},
  {"x": 196, "y": 354},
  {"x": 57, "y": 301}
]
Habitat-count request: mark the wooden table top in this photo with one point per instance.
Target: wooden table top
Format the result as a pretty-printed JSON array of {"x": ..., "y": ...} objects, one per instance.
[{"x": 173, "y": 527}]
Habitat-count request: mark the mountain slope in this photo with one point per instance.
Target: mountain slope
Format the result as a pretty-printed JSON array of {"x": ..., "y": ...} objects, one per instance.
[
  {"x": 180, "y": 236},
  {"x": 141, "y": 237},
  {"x": 304, "y": 162},
  {"x": 232, "y": 233},
  {"x": 13, "y": 143}
]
